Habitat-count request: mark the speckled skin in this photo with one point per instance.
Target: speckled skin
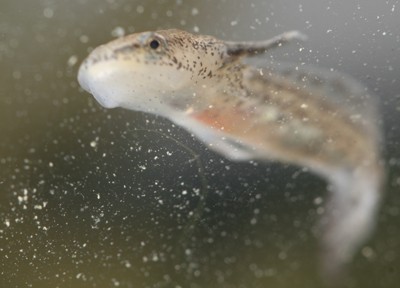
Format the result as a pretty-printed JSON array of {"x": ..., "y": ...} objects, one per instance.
[{"x": 303, "y": 116}]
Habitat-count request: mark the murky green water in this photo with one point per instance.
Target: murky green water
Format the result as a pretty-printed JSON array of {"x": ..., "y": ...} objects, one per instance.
[{"x": 112, "y": 198}]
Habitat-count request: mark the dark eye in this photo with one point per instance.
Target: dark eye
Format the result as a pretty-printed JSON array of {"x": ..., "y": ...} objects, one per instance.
[{"x": 154, "y": 44}]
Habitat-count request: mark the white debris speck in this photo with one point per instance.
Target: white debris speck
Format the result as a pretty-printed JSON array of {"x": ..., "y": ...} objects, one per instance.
[
  {"x": 7, "y": 222},
  {"x": 368, "y": 252},
  {"x": 72, "y": 60},
  {"x": 195, "y": 11},
  {"x": 140, "y": 9},
  {"x": 48, "y": 13},
  {"x": 318, "y": 201},
  {"x": 84, "y": 38},
  {"x": 155, "y": 258},
  {"x": 94, "y": 143},
  {"x": 282, "y": 255},
  {"x": 118, "y": 32},
  {"x": 270, "y": 114},
  {"x": 38, "y": 207},
  {"x": 115, "y": 282},
  {"x": 196, "y": 29},
  {"x": 20, "y": 199},
  {"x": 128, "y": 264},
  {"x": 304, "y": 106},
  {"x": 51, "y": 165},
  {"x": 142, "y": 167},
  {"x": 17, "y": 75},
  {"x": 355, "y": 117}
]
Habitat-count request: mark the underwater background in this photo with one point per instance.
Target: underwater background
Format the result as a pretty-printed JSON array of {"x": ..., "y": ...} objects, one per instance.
[{"x": 91, "y": 197}]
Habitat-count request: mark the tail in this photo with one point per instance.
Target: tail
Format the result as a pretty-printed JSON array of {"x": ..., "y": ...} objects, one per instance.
[{"x": 350, "y": 215}]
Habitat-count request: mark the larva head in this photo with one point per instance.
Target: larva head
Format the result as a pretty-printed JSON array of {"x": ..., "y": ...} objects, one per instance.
[{"x": 150, "y": 71}]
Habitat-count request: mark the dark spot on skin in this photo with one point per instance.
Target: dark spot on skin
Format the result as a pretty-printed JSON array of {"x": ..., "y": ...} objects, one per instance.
[
  {"x": 195, "y": 45},
  {"x": 266, "y": 98},
  {"x": 202, "y": 71},
  {"x": 239, "y": 103},
  {"x": 279, "y": 87},
  {"x": 94, "y": 61}
]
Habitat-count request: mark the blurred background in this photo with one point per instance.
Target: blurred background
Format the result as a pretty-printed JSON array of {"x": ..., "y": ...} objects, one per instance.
[{"x": 112, "y": 198}]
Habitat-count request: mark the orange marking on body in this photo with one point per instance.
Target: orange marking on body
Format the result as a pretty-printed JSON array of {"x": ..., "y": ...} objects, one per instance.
[{"x": 226, "y": 119}]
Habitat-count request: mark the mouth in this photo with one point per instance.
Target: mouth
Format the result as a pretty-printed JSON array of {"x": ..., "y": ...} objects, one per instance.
[
  {"x": 83, "y": 76},
  {"x": 93, "y": 79}
]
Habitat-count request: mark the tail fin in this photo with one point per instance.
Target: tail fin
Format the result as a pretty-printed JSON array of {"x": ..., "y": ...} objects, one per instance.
[{"x": 350, "y": 215}]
